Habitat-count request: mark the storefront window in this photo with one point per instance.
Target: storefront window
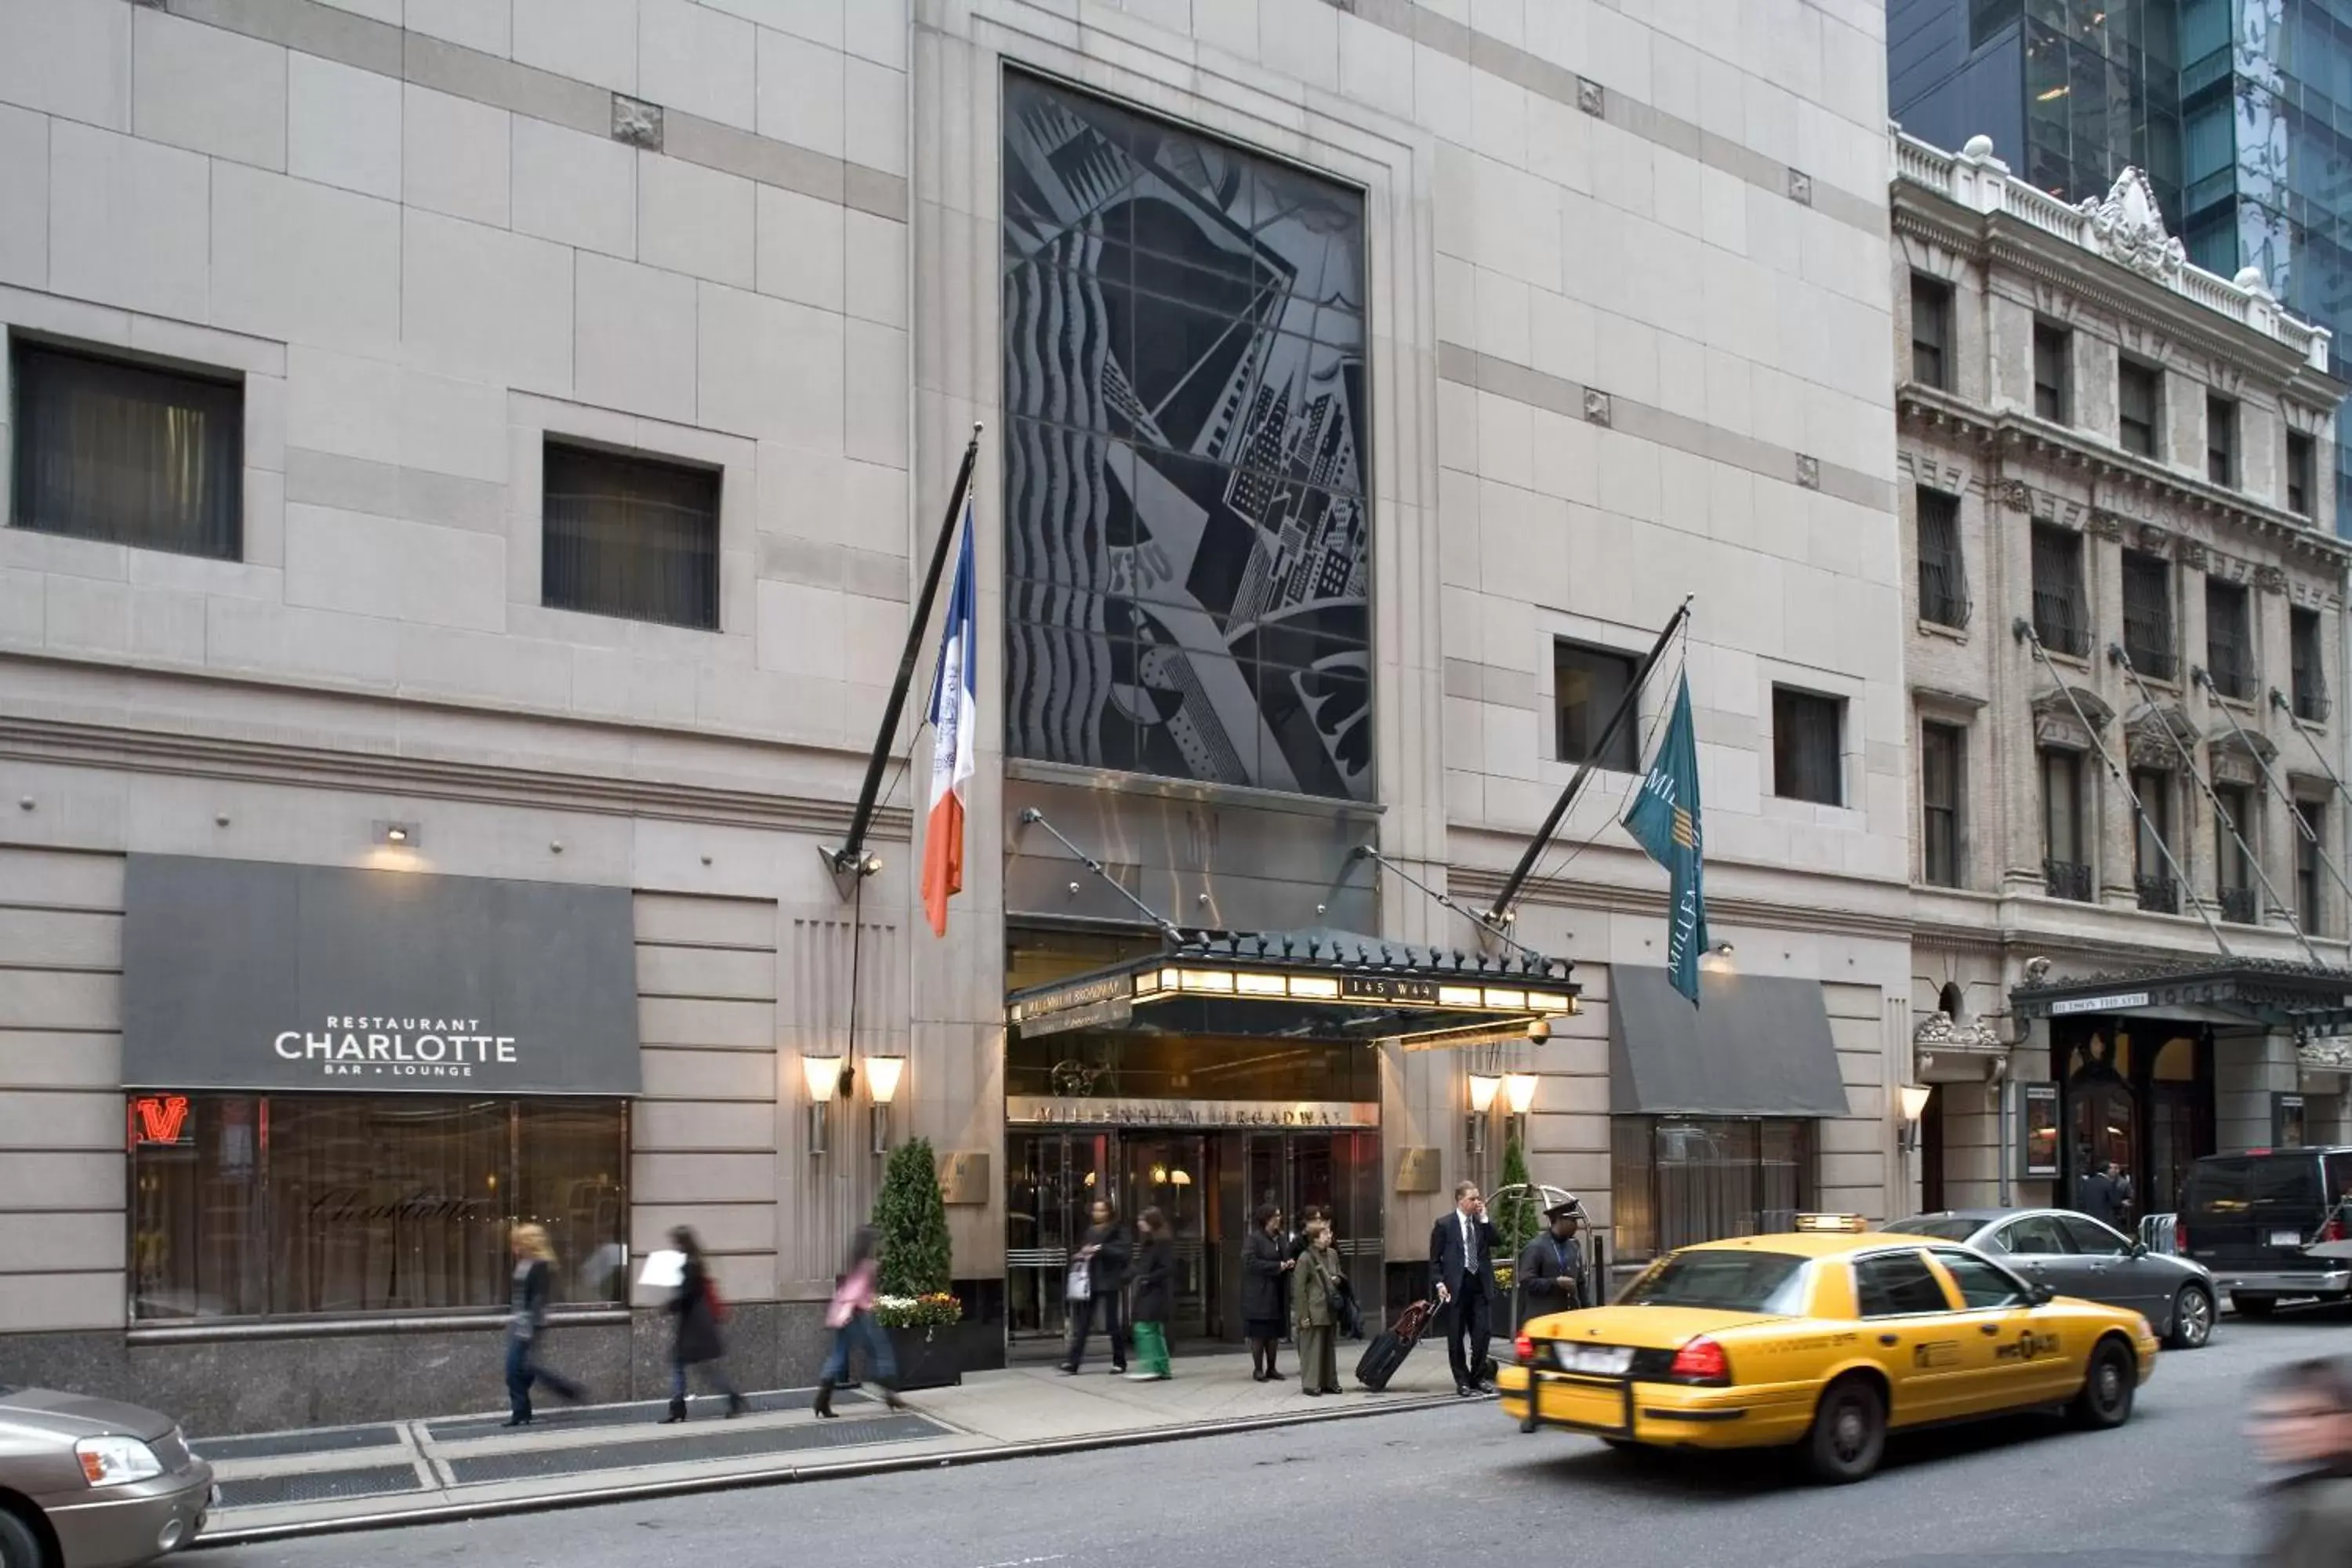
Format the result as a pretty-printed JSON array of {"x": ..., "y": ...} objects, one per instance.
[
  {"x": 298, "y": 1204},
  {"x": 1679, "y": 1181}
]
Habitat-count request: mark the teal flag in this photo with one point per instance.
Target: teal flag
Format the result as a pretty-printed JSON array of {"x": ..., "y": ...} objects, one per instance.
[{"x": 1664, "y": 818}]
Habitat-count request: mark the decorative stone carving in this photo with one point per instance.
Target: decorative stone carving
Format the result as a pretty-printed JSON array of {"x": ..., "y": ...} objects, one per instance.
[
  {"x": 1800, "y": 187},
  {"x": 2128, "y": 227},
  {"x": 2104, "y": 525},
  {"x": 2015, "y": 496},
  {"x": 2159, "y": 738},
  {"x": 2055, "y": 720},
  {"x": 1938, "y": 1033},
  {"x": 637, "y": 122},
  {"x": 2153, "y": 539},
  {"x": 2327, "y": 1056},
  {"x": 2194, "y": 555},
  {"x": 1590, "y": 98},
  {"x": 2271, "y": 579},
  {"x": 1808, "y": 471},
  {"x": 1596, "y": 406}
]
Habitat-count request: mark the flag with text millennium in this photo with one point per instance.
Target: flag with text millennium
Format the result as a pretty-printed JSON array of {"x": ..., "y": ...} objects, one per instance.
[{"x": 1665, "y": 819}]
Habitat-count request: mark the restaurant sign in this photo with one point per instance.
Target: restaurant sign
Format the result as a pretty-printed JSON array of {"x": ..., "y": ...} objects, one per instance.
[{"x": 1048, "y": 1111}]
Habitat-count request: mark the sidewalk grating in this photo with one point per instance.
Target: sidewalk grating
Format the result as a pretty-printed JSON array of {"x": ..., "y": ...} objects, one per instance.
[
  {"x": 322, "y": 1486},
  {"x": 737, "y": 1444},
  {"x": 287, "y": 1445},
  {"x": 706, "y": 1407}
]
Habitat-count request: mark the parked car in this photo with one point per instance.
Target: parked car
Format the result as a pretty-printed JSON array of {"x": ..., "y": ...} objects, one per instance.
[
  {"x": 89, "y": 1483},
  {"x": 2075, "y": 1254},
  {"x": 2271, "y": 1224}
]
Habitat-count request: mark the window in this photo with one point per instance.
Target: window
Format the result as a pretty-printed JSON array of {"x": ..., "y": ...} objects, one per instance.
[
  {"x": 2140, "y": 406},
  {"x": 1184, "y": 368},
  {"x": 1931, "y": 331},
  {"x": 1678, "y": 1181},
  {"x": 1807, "y": 747},
  {"x": 2036, "y": 1236},
  {"x": 1898, "y": 1285},
  {"x": 1587, "y": 685},
  {"x": 1943, "y": 576},
  {"x": 2062, "y": 616},
  {"x": 1773, "y": 1283},
  {"x": 1940, "y": 758},
  {"x": 2220, "y": 439},
  {"x": 2229, "y": 639},
  {"x": 2148, "y": 613},
  {"x": 1984, "y": 1287},
  {"x": 2090, "y": 1238},
  {"x": 2053, "y": 351},
  {"x": 1987, "y": 17},
  {"x": 2233, "y": 837},
  {"x": 128, "y": 453},
  {"x": 2308, "y": 659},
  {"x": 2159, "y": 892},
  {"x": 2064, "y": 866},
  {"x": 2300, "y": 467},
  {"x": 2310, "y": 910},
  {"x": 630, "y": 536},
  {"x": 288, "y": 1205}
]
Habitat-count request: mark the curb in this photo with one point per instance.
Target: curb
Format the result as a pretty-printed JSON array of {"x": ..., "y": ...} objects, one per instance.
[{"x": 788, "y": 1475}]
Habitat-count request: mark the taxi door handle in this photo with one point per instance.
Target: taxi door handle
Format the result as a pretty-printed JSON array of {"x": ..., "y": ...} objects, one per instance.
[
  {"x": 1988, "y": 1328},
  {"x": 1889, "y": 1340}
]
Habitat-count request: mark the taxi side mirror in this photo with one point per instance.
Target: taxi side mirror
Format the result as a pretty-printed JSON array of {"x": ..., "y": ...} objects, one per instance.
[{"x": 2042, "y": 1295}]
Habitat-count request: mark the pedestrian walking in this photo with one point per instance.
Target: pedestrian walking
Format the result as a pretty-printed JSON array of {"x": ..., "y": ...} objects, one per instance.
[
  {"x": 1314, "y": 1298},
  {"x": 1551, "y": 1270},
  {"x": 1462, "y": 1263},
  {"x": 534, "y": 1279},
  {"x": 1155, "y": 1296},
  {"x": 1263, "y": 1267},
  {"x": 851, "y": 1319},
  {"x": 2096, "y": 1195},
  {"x": 1104, "y": 1255},
  {"x": 2302, "y": 1421},
  {"x": 694, "y": 1342}
]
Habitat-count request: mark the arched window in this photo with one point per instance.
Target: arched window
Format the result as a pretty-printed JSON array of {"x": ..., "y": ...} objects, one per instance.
[{"x": 1948, "y": 1001}]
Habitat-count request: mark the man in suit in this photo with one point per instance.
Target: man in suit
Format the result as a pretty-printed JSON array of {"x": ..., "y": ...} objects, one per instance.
[
  {"x": 1462, "y": 1262},
  {"x": 2095, "y": 1193},
  {"x": 1551, "y": 1270}
]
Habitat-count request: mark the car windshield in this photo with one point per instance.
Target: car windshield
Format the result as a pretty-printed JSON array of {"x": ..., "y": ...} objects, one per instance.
[
  {"x": 1732, "y": 1281},
  {"x": 1942, "y": 1226}
]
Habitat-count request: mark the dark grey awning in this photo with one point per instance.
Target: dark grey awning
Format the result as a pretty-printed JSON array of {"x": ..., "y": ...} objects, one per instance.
[
  {"x": 1760, "y": 1045},
  {"x": 241, "y": 974}
]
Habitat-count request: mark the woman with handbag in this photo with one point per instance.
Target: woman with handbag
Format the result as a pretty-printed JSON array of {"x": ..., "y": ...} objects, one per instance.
[
  {"x": 1315, "y": 1290},
  {"x": 535, "y": 1282},
  {"x": 1155, "y": 1296},
  {"x": 1262, "y": 1311},
  {"x": 695, "y": 1307},
  {"x": 1095, "y": 1281},
  {"x": 851, "y": 1319}
]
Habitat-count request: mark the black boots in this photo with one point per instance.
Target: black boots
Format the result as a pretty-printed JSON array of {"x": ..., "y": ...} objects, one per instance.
[
  {"x": 824, "y": 1399},
  {"x": 677, "y": 1412},
  {"x": 736, "y": 1405}
]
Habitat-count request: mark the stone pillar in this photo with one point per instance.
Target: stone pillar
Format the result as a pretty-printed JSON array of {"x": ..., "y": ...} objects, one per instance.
[
  {"x": 2016, "y": 854},
  {"x": 2195, "y": 845},
  {"x": 1972, "y": 1151},
  {"x": 2249, "y": 1067},
  {"x": 2110, "y": 845}
]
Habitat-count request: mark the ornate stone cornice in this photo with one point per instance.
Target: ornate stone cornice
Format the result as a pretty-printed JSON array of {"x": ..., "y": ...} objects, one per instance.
[
  {"x": 2055, "y": 720},
  {"x": 2160, "y": 738},
  {"x": 1938, "y": 1032}
]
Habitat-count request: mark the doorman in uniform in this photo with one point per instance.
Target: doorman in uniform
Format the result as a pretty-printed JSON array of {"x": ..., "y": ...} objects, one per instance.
[{"x": 1551, "y": 1277}]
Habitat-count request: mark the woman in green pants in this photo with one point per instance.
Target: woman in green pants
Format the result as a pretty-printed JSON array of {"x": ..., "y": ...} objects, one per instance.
[{"x": 1155, "y": 1296}]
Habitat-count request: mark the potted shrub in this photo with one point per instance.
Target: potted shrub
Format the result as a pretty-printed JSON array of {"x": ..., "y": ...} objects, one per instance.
[
  {"x": 1517, "y": 1214},
  {"x": 915, "y": 1309}
]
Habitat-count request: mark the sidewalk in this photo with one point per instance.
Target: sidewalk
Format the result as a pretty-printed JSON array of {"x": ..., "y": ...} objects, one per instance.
[{"x": 281, "y": 1484}]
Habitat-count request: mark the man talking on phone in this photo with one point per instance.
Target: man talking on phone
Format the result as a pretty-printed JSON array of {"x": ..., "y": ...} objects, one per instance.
[{"x": 1461, "y": 1263}]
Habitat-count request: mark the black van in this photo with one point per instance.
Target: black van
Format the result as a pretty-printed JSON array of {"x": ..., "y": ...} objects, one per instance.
[{"x": 2256, "y": 1218}]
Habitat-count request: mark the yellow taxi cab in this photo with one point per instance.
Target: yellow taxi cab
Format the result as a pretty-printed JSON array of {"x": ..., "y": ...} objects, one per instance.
[{"x": 1823, "y": 1340}]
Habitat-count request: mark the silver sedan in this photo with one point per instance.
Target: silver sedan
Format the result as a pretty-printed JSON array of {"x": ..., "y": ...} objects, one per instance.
[
  {"x": 89, "y": 1483},
  {"x": 2075, "y": 1254}
]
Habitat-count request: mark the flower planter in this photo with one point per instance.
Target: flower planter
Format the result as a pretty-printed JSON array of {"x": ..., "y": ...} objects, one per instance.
[{"x": 938, "y": 1357}]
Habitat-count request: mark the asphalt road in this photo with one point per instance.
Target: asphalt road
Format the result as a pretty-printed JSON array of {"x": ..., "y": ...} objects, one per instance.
[{"x": 2175, "y": 1489}]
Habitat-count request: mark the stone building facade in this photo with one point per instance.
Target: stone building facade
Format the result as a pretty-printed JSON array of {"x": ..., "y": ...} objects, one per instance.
[
  {"x": 524, "y": 427},
  {"x": 2124, "y": 608}
]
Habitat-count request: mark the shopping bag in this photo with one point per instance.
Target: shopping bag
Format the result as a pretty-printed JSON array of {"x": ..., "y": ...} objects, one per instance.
[
  {"x": 663, "y": 1270},
  {"x": 1082, "y": 1285}
]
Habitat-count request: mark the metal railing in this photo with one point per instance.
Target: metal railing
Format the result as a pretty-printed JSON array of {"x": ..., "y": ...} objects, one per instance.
[
  {"x": 2156, "y": 1232},
  {"x": 2240, "y": 906},
  {"x": 2159, "y": 895},
  {"x": 2066, "y": 879}
]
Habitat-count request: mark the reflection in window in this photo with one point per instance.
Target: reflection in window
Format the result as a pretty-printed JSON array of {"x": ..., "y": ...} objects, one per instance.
[
  {"x": 1676, "y": 1181},
  {"x": 128, "y": 453},
  {"x": 1187, "y": 539}
]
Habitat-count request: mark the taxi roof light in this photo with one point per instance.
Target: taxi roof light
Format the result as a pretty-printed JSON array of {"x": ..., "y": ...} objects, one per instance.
[{"x": 1832, "y": 1224}]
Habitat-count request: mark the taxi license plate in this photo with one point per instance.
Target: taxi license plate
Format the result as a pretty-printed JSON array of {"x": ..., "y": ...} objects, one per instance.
[
  {"x": 2286, "y": 1238},
  {"x": 1601, "y": 1361}
]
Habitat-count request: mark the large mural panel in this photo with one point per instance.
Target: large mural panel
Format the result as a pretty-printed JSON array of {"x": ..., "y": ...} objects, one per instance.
[{"x": 1188, "y": 543}]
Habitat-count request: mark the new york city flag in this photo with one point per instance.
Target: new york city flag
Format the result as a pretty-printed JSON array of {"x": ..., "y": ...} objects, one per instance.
[{"x": 1665, "y": 819}]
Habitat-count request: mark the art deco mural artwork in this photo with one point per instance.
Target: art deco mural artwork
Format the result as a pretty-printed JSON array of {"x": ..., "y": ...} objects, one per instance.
[{"x": 1188, "y": 543}]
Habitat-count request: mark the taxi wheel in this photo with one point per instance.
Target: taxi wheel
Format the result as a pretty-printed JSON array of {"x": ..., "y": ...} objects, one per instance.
[
  {"x": 2109, "y": 1384},
  {"x": 19, "y": 1547},
  {"x": 1849, "y": 1435},
  {"x": 2193, "y": 1319}
]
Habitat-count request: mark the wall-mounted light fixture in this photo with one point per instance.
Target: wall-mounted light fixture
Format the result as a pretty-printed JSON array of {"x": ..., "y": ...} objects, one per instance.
[
  {"x": 823, "y": 1075},
  {"x": 882, "y": 1075},
  {"x": 399, "y": 835},
  {"x": 1482, "y": 1086},
  {"x": 1914, "y": 1097},
  {"x": 1519, "y": 1091}
]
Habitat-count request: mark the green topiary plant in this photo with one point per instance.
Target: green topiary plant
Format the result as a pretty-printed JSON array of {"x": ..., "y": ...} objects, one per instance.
[
  {"x": 1518, "y": 1215},
  {"x": 912, "y": 1222}
]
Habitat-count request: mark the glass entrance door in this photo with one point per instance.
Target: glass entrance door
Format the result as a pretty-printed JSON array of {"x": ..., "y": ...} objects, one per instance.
[
  {"x": 1171, "y": 1173},
  {"x": 1051, "y": 1182}
]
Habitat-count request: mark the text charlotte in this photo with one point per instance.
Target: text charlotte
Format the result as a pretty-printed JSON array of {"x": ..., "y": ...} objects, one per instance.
[{"x": 446, "y": 1047}]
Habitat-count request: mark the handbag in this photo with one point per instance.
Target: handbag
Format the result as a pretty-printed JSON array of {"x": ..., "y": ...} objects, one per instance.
[{"x": 1082, "y": 1285}]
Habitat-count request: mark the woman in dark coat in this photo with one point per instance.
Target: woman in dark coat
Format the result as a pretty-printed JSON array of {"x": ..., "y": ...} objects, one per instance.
[
  {"x": 1264, "y": 1262},
  {"x": 694, "y": 1309},
  {"x": 1155, "y": 1296}
]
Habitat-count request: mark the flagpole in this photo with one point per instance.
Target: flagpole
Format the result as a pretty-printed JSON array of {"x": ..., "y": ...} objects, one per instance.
[
  {"x": 850, "y": 865},
  {"x": 1497, "y": 917}
]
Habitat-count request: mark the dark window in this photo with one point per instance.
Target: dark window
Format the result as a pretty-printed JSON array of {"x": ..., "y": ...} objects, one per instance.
[
  {"x": 2148, "y": 613},
  {"x": 1941, "y": 753},
  {"x": 1807, "y": 747},
  {"x": 2220, "y": 439},
  {"x": 1587, "y": 685},
  {"x": 2036, "y": 1236},
  {"x": 2310, "y": 906},
  {"x": 2233, "y": 837},
  {"x": 2271, "y": 1188},
  {"x": 1771, "y": 1282},
  {"x": 2159, "y": 890},
  {"x": 1185, "y": 382},
  {"x": 630, "y": 536},
  {"x": 2090, "y": 1238},
  {"x": 1898, "y": 1285},
  {"x": 2229, "y": 639},
  {"x": 2307, "y": 655},
  {"x": 2299, "y": 472},
  {"x": 1987, "y": 17},
  {"x": 2053, "y": 349},
  {"x": 2140, "y": 406},
  {"x": 2062, "y": 616},
  {"x": 1676, "y": 1182},
  {"x": 1943, "y": 575},
  {"x": 288, "y": 1205},
  {"x": 2065, "y": 866},
  {"x": 128, "y": 453},
  {"x": 1984, "y": 1287},
  {"x": 1931, "y": 331}
]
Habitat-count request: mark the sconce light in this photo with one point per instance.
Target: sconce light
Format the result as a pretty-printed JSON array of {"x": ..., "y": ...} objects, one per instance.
[
  {"x": 1482, "y": 1091},
  {"x": 1914, "y": 1097},
  {"x": 823, "y": 1075},
  {"x": 1482, "y": 1100},
  {"x": 882, "y": 1075},
  {"x": 399, "y": 835},
  {"x": 1519, "y": 1091}
]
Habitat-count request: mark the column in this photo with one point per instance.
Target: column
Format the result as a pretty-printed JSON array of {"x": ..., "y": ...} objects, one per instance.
[
  {"x": 2111, "y": 825},
  {"x": 2195, "y": 841},
  {"x": 2249, "y": 1067}
]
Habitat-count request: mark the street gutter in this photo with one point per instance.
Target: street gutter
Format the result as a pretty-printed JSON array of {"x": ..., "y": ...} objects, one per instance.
[{"x": 788, "y": 1475}]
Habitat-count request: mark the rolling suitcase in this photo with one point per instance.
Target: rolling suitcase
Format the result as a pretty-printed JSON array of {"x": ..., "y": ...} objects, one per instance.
[{"x": 1387, "y": 1350}]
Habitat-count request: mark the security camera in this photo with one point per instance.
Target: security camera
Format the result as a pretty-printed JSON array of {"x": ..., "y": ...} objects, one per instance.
[{"x": 1539, "y": 1031}]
